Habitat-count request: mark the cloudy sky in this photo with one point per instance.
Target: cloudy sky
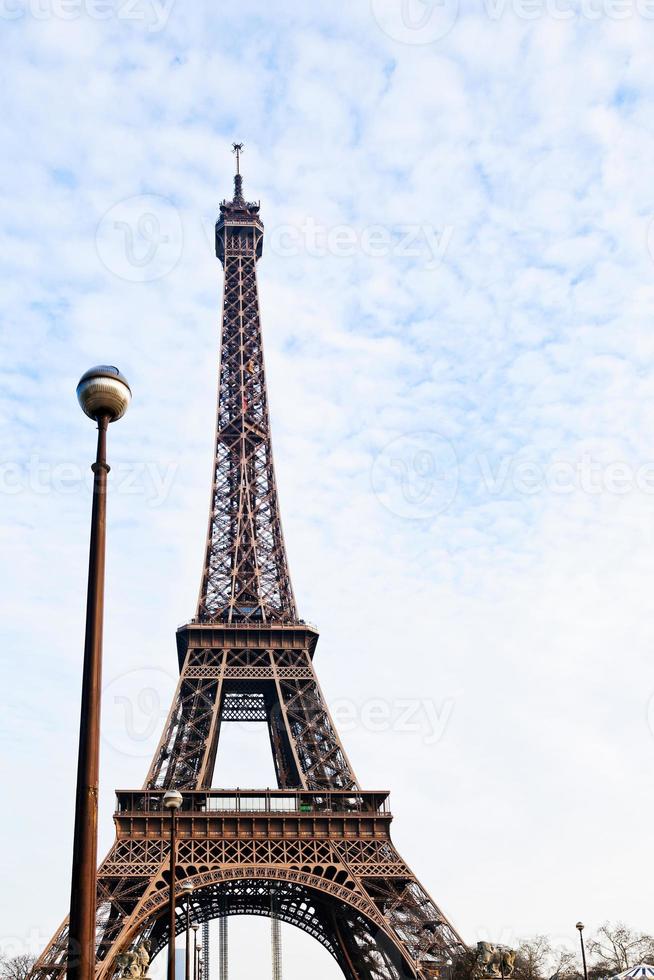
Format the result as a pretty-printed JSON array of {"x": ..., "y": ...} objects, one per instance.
[{"x": 458, "y": 298}]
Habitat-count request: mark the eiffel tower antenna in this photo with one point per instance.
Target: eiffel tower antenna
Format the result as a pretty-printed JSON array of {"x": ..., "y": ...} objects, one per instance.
[
  {"x": 317, "y": 851},
  {"x": 238, "y": 148}
]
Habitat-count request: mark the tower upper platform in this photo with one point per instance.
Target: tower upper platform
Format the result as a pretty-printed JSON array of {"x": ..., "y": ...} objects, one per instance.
[{"x": 239, "y": 229}]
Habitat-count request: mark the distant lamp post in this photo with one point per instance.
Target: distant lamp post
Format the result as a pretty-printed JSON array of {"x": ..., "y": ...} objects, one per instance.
[
  {"x": 195, "y": 928},
  {"x": 187, "y": 890},
  {"x": 580, "y": 927},
  {"x": 104, "y": 396},
  {"x": 172, "y": 800}
]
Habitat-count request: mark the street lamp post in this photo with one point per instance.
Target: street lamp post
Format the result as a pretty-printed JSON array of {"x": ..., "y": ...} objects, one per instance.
[
  {"x": 104, "y": 396},
  {"x": 580, "y": 927},
  {"x": 172, "y": 800},
  {"x": 187, "y": 889},
  {"x": 196, "y": 947}
]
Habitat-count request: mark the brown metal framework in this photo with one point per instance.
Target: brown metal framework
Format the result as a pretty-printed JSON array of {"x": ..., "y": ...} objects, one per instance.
[{"x": 317, "y": 851}]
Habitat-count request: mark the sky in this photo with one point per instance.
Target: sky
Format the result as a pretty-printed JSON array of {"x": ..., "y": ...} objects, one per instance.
[{"x": 457, "y": 294}]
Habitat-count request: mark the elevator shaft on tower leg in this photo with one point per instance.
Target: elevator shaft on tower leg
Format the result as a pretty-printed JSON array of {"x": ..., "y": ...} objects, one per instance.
[
  {"x": 223, "y": 949},
  {"x": 276, "y": 944}
]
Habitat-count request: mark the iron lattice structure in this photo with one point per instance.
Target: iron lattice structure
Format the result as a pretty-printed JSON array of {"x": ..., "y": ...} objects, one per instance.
[{"x": 317, "y": 851}]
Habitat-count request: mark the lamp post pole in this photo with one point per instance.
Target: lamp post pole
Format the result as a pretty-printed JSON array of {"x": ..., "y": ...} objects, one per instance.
[
  {"x": 172, "y": 800},
  {"x": 187, "y": 888},
  {"x": 104, "y": 396},
  {"x": 195, "y": 928},
  {"x": 580, "y": 927}
]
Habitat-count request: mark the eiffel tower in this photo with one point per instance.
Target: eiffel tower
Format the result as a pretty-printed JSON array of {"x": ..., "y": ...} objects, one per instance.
[{"x": 316, "y": 852}]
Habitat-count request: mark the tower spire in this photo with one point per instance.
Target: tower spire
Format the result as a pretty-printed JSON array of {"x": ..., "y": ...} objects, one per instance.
[
  {"x": 238, "y": 148},
  {"x": 245, "y": 576}
]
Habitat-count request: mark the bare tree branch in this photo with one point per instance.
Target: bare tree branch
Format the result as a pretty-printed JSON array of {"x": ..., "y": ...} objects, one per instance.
[{"x": 16, "y": 967}]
